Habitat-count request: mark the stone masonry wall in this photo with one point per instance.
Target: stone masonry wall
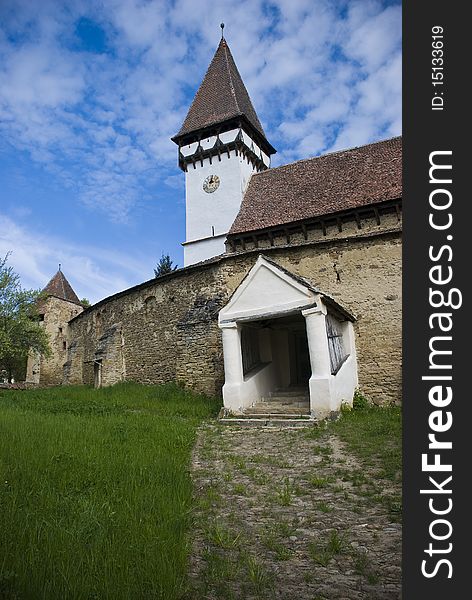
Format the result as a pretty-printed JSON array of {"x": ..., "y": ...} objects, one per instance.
[
  {"x": 167, "y": 329},
  {"x": 57, "y": 313}
]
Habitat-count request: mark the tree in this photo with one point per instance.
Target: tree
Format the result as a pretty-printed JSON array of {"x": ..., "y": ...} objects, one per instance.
[
  {"x": 164, "y": 266},
  {"x": 20, "y": 330},
  {"x": 85, "y": 302}
]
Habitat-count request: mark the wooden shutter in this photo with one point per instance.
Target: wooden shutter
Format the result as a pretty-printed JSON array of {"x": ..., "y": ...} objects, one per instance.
[{"x": 337, "y": 354}]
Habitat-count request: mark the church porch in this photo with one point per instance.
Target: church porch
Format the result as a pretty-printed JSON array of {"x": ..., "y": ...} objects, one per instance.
[{"x": 285, "y": 353}]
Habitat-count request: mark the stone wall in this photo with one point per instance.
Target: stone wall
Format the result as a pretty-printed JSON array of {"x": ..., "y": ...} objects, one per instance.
[{"x": 166, "y": 329}]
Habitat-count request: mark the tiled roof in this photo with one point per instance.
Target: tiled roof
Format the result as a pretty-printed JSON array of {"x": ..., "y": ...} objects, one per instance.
[
  {"x": 323, "y": 185},
  {"x": 222, "y": 95},
  {"x": 59, "y": 287}
]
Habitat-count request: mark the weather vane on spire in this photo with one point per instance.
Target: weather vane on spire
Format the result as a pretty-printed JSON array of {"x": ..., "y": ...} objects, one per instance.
[
  {"x": 222, "y": 25},
  {"x": 59, "y": 266}
]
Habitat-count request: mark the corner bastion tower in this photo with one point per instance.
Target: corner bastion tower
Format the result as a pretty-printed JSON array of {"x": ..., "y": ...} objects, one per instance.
[
  {"x": 59, "y": 304},
  {"x": 221, "y": 144}
]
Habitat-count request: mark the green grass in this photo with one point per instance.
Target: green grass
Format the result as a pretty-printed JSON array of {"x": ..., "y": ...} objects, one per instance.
[
  {"x": 221, "y": 537},
  {"x": 323, "y": 552},
  {"x": 271, "y": 542},
  {"x": 374, "y": 435},
  {"x": 285, "y": 494},
  {"x": 318, "y": 482},
  {"x": 95, "y": 492}
]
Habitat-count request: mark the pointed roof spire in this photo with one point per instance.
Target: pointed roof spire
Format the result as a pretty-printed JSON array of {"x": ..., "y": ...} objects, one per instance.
[
  {"x": 221, "y": 97},
  {"x": 59, "y": 287}
]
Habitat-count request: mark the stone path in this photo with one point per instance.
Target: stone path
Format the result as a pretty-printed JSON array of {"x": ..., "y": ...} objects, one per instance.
[{"x": 289, "y": 514}]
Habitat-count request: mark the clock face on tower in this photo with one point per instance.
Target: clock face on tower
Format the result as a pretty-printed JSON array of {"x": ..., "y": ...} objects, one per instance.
[{"x": 211, "y": 183}]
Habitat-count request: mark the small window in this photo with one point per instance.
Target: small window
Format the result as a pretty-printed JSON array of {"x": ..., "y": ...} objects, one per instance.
[
  {"x": 150, "y": 304},
  {"x": 337, "y": 354},
  {"x": 41, "y": 317},
  {"x": 60, "y": 329},
  {"x": 64, "y": 345}
]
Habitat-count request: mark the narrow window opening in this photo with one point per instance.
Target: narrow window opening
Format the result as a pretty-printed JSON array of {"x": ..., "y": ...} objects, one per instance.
[
  {"x": 64, "y": 345},
  {"x": 97, "y": 373},
  {"x": 250, "y": 349}
]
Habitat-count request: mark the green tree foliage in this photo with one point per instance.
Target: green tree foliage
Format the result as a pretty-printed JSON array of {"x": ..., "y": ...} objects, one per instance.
[
  {"x": 20, "y": 330},
  {"x": 164, "y": 266},
  {"x": 85, "y": 302}
]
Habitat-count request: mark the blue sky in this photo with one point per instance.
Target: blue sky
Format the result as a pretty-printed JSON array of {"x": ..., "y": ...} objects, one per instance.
[{"x": 91, "y": 92}]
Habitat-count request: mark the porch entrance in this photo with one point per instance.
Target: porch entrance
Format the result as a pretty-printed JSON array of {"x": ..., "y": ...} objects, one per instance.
[
  {"x": 276, "y": 342},
  {"x": 279, "y": 347}
]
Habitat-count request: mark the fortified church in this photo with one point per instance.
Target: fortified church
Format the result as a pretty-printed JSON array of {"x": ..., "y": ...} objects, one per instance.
[{"x": 291, "y": 289}]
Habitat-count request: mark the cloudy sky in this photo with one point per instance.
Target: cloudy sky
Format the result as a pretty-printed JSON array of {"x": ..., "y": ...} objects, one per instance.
[{"x": 91, "y": 92}]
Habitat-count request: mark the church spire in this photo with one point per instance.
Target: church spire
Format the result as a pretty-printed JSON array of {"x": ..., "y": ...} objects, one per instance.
[
  {"x": 221, "y": 102},
  {"x": 60, "y": 288},
  {"x": 221, "y": 144}
]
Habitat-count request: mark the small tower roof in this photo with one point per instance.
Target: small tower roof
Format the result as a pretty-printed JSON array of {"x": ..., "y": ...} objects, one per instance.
[
  {"x": 222, "y": 96},
  {"x": 59, "y": 287}
]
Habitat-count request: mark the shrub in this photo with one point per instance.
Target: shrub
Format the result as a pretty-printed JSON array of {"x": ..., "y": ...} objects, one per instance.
[{"x": 359, "y": 401}]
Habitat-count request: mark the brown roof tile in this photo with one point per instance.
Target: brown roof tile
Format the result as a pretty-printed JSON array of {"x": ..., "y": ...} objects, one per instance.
[
  {"x": 319, "y": 186},
  {"x": 59, "y": 287},
  {"x": 222, "y": 95}
]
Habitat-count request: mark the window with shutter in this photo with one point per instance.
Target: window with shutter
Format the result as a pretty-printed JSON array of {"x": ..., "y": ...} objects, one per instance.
[{"x": 337, "y": 354}]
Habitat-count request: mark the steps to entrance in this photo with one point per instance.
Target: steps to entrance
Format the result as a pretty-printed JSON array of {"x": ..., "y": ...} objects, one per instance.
[
  {"x": 276, "y": 408},
  {"x": 290, "y": 392},
  {"x": 287, "y": 408},
  {"x": 263, "y": 421}
]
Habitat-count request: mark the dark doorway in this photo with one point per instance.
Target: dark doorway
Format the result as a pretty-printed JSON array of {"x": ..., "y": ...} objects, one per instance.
[
  {"x": 302, "y": 367},
  {"x": 97, "y": 373}
]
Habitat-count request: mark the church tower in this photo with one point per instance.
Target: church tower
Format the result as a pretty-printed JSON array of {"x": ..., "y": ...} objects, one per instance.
[
  {"x": 58, "y": 305},
  {"x": 221, "y": 144}
]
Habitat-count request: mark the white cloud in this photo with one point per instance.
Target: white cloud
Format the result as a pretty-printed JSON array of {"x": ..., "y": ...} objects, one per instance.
[
  {"x": 93, "y": 272},
  {"x": 100, "y": 123},
  {"x": 371, "y": 33}
]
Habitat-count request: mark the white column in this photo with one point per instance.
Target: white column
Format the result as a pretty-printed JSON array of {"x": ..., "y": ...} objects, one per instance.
[
  {"x": 315, "y": 319},
  {"x": 233, "y": 363},
  {"x": 320, "y": 380}
]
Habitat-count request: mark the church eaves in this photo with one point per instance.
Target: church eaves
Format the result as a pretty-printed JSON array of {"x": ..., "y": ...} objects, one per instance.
[
  {"x": 221, "y": 97},
  {"x": 59, "y": 287},
  {"x": 316, "y": 187}
]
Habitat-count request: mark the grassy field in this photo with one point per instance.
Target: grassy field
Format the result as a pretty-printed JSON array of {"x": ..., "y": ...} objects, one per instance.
[
  {"x": 95, "y": 493},
  {"x": 375, "y": 436}
]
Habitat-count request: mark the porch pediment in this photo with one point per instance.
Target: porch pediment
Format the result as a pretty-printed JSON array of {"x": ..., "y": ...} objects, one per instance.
[{"x": 268, "y": 290}]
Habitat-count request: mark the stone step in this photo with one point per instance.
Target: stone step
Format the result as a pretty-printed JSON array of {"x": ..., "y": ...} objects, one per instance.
[
  {"x": 290, "y": 392},
  {"x": 264, "y": 421},
  {"x": 267, "y": 408},
  {"x": 250, "y": 414},
  {"x": 284, "y": 400}
]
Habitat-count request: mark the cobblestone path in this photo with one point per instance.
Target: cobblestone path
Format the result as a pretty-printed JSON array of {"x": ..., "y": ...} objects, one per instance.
[{"x": 290, "y": 514}]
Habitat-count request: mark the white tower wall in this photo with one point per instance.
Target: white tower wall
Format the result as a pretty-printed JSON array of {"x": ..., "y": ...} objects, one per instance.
[{"x": 209, "y": 216}]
